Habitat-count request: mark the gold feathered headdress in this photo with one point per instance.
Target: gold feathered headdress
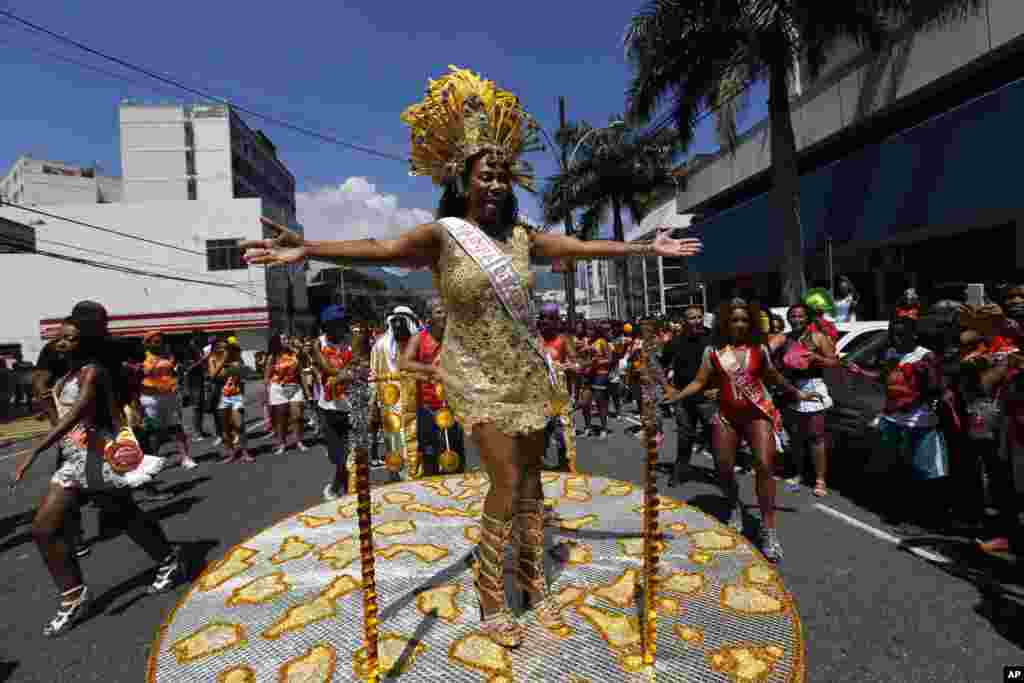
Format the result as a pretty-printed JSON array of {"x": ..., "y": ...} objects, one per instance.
[{"x": 463, "y": 115}]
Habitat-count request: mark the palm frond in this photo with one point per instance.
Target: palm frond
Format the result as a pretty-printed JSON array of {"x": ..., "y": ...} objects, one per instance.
[{"x": 923, "y": 14}]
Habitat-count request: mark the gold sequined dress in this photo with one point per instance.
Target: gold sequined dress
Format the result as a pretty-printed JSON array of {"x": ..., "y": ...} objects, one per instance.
[{"x": 506, "y": 382}]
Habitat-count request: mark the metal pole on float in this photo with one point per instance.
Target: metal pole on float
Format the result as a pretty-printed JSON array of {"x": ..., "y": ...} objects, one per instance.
[
  {"x": 368, "y": 577},
  {"x": 651, "y": 530}
]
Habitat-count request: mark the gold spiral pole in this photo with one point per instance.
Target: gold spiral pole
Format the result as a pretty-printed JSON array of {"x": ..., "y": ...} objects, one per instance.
[
  {"x": 371, "y": 609},
  {"x": 366, "y": 565},
  {"x": 651, "y": 532}
]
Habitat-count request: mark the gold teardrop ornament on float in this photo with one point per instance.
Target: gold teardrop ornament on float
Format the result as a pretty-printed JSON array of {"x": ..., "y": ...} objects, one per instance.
[
  {"x": 448, "y": 461},
  {"x": 392, "y": 423},
  {"x": 390, "y": 394},
  {"x": 439, "y": 391},
  {"x": 444, "y": 419},
  {"x": 394, "y": 461}
]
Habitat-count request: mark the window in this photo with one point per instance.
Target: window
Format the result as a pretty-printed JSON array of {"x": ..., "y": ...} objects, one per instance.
[
  {"x": 864, "y": 348},
  {"x": 224, "y": 255}
]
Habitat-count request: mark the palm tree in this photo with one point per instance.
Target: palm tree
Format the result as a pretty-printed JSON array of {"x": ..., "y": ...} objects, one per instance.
[
  {"x": 616, "y": 169},
  {"x": 703, "y": 53}
]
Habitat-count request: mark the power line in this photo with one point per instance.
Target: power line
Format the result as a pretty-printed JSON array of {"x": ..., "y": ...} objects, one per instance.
[
  {"x": 83, "y": 65},
  {"x": 102, "y": 229},
  {"x": 200, "y": 93},
  {"x": 23, "y": 247},
  {"x": 238, "y": 285}
]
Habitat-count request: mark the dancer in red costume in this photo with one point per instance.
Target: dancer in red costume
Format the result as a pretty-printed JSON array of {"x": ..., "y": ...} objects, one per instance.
[{"x": 738, "y": 365}]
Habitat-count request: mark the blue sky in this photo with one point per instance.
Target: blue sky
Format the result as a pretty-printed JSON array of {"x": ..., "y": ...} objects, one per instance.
[{"x": 347, "y": 69}]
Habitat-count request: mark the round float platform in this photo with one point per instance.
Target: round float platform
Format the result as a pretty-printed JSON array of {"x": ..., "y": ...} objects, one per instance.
[{"x": 286, "y": 605}]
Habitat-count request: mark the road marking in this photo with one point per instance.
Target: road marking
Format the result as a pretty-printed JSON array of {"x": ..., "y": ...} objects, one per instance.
[
  {"x": 16, "y": 454},
  {"x": 929, "y": 555}
]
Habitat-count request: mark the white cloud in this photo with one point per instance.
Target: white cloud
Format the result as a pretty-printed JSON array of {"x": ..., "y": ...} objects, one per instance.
[{"x": 355, "y": 210}]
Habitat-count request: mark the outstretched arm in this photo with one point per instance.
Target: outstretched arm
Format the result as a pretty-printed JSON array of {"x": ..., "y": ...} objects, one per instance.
[
  {"x": 416, "y": 248},
  {"x": 547, "y": 245}
]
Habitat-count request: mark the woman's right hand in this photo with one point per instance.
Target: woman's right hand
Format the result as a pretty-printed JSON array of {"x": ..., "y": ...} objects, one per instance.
[{"x": 286, "y": 246}]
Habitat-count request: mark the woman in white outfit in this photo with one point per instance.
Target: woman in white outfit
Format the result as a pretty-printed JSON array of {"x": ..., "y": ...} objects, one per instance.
[
  {"x": 846, "y": 304},
  {"x": 284, "y": 394}
]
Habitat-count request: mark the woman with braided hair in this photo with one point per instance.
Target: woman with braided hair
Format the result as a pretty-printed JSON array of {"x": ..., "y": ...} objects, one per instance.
[
  {"x": 468, "y": 136},
  {"x": 96, "y": 459}
]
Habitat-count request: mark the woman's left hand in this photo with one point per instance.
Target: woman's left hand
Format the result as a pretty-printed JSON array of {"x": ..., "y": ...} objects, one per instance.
[{"x": 664, "y": 245}]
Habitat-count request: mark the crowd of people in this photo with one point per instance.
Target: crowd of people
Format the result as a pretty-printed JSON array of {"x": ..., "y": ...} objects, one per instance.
[{"x": 484, "y": 367}]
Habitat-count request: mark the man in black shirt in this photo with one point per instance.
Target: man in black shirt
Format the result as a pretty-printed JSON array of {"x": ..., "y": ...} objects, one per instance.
[
  {"x": 50, "y": 367},
  {"x": 195, "y": 377},
  {"x": 684, "y": 355}
]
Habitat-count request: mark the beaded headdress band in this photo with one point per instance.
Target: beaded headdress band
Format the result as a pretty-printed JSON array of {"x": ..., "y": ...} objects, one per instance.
[{"x": 463, "y": 115}]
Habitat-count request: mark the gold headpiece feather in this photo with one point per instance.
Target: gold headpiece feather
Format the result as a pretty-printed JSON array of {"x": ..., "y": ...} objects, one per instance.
[{"x": 463, "y": 115}]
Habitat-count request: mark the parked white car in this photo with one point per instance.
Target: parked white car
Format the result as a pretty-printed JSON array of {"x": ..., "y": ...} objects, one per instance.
[{"x": 853, "y": 336}]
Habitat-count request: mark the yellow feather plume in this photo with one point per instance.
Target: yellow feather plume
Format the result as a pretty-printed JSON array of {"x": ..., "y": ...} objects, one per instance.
[{"x": 461, "y": 116}]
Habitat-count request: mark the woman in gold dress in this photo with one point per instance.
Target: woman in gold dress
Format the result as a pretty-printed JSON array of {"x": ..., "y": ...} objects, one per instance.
[{"x": 468, "y": 135}]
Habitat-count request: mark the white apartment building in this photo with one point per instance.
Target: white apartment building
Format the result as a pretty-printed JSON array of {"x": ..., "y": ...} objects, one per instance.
[
  {"x": 193, "y": 203},
  {"x": 37, "y": 182},
  {"x": 908, "y": 162},
  {"x": 199, "y": 152}
]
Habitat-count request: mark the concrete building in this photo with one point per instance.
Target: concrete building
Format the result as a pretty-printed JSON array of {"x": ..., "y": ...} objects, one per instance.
[
  {"x": 199, "y": 152},
  {"x": 196, "y": 181},
  {"x": 908, "y": 172},
  {"x": 38, "y": 182},
  {"x": 596, "y": 291},
  {"x": 198, "y": 281}
]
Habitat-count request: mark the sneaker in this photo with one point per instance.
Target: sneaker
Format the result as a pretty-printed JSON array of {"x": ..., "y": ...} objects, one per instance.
[
  {"x": 770, "y": 545},
  {"x": 302, "y": 447},
  {"x": 329, "y": 493},
  {"x": 189, "y": 464},
  {"x": 82, "y": 549},
  {"x": 602, "y": 434},
  {"x": 168, "y": 574},
  {"x": 219, "y": 441},
  {"x": 279, "y": 450},
  {"x": 70, "y": 612},
  {"x": 377, "y": 462}
]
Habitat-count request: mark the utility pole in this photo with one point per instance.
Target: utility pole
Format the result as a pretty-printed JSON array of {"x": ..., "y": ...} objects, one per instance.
[{"x": 570, "y": 229}]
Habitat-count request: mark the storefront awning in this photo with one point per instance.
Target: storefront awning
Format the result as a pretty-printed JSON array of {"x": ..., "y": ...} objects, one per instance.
[{"x": 178, "y": 322}]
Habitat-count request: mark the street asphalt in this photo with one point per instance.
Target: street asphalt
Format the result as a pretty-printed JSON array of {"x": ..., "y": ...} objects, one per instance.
[{"x": 871, "y": 609}]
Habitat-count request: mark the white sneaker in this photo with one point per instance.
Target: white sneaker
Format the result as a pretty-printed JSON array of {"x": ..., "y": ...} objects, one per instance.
[{"x": 218, "y": 442}]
